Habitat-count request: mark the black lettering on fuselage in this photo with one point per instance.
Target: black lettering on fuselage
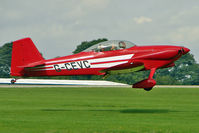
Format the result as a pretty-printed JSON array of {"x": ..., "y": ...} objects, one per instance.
[
  {"x": 80, "y": 64},
  {"x": 67, "y": 65},
  {"x": 57, "y": 68},
  {"x": 86, "y": 64},
  {"x": 73, "y": 64}
]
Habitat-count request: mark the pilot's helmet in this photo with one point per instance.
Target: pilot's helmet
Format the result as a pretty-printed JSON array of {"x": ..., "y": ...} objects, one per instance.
[
  {"x": 122, "y": 45},
  {"x": 100, "y": 46}
]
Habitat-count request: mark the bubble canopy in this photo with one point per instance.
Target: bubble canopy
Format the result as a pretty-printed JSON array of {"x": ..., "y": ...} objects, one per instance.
[{"x": 110, "y": 46}]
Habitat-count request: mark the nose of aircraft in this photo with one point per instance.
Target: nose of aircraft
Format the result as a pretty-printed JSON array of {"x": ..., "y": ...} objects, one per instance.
[{"x": 185, "y": 50}]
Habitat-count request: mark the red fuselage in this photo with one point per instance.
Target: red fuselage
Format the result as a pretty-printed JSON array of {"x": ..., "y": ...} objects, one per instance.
[{"x": 98, "y": 63}]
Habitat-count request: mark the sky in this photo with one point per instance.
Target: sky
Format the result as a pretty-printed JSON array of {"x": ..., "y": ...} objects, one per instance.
[{"x": 58, "y": 26}]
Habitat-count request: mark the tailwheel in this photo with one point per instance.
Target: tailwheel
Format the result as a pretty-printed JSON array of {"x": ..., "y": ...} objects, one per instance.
[
  {"x": 148, "y": 89},
  {"x": 13, "y": 81}
]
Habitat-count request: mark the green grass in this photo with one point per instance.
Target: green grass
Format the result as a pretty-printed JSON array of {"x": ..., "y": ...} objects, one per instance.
[{"x": 99, "y": 110}]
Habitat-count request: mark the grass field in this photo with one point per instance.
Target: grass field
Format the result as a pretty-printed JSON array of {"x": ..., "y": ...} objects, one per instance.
[{"x": 99, "y": 110}]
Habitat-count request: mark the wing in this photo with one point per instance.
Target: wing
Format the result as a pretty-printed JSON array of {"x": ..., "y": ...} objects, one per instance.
[{"x": 125, "y": 68}]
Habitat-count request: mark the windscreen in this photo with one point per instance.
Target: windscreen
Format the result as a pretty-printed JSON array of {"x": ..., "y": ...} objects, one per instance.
[{"x": 110, "y": 45}]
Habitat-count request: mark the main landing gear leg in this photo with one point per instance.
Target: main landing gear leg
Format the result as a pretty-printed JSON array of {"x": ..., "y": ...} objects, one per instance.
[
  {"x": 150, "y": 79},
  {"x": 152, "y": 73},
  {"x": 147, "y": 84}
]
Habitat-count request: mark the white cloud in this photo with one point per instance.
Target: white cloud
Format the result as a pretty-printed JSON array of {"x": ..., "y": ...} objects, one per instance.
[
  {"x": 95, "y": 3},
  {"x": 84, "y": 7},
  {"x": 142, "y": 19},
  {"x": 185, "y": 16},
  {"x": 188, "y": 33}
]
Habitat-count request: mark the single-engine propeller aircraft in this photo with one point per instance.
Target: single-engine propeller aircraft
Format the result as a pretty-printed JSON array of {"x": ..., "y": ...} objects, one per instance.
[{"x": 109, "y": 57}]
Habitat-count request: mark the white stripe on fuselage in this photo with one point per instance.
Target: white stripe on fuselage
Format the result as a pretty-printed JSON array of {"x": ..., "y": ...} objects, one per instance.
[
  {"x": 106, "y": 65},
  {"x": 104, "y": 62},
  {"x": 112, "y": 58}
]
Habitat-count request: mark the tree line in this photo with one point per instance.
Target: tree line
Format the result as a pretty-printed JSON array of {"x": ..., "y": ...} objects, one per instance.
[{"x": 185, "y": 71}]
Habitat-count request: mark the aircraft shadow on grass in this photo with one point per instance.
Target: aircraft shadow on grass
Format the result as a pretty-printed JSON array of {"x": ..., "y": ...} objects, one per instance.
[
  {"x": 133, "y": 111},
  {"x": 146, "y": 111}
]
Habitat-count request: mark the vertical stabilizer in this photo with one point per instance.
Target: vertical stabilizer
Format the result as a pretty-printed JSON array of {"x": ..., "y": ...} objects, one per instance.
[{"x": 24, "y": 52}]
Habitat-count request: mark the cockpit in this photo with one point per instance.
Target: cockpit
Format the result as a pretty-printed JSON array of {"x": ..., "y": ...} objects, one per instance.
[{"x": 110, "y": 46}]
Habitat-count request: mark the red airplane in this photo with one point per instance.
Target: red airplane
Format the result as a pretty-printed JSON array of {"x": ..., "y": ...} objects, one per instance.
[{"x": 109, "y": 57}]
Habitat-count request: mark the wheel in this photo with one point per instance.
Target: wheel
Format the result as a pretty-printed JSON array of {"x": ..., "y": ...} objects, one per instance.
[
  {"x": 148, "y": 89},
  {"x": 13, "y": 81}
]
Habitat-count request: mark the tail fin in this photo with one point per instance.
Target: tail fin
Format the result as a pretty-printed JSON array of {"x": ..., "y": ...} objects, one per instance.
[{"x": 24, "y": 53}]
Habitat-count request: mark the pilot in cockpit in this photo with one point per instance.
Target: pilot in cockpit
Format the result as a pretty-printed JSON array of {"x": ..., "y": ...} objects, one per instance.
[
  {"x": 101, "y": 48},
  {"x": 122, "y": 45},
  {"x": 113, "y": 47}
]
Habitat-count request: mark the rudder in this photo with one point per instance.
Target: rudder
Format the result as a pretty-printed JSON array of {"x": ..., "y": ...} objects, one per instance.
[{"x": 24, "y": 52}]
